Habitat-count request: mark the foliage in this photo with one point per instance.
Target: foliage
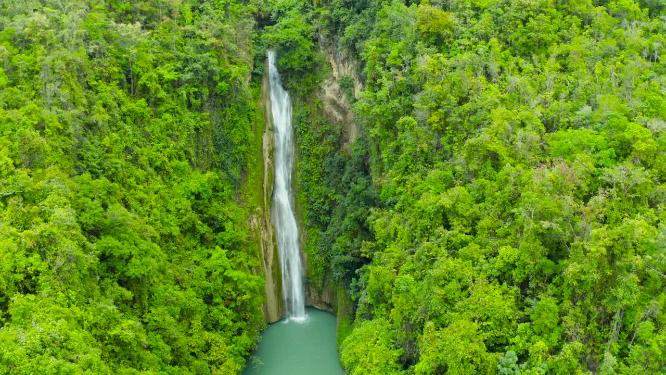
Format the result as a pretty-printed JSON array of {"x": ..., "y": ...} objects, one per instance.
[
  {"x": 336, "y": 193},
  {"x": 502, "y": 210},
  {"x": 517, "y": 151},
  {"x": 292, "y": 37},
  {"x": 125, "y": 129}
]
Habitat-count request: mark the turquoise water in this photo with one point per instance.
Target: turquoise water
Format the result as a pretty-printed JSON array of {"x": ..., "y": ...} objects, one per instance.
[{"x": 298, "y": 348}]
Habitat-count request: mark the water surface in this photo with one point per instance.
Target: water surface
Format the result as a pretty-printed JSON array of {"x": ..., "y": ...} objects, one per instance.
[{"x": 289, "y": 347}]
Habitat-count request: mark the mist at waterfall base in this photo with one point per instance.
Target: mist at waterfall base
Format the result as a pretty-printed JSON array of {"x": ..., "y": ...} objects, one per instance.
[{"x": 301, "y": 344}]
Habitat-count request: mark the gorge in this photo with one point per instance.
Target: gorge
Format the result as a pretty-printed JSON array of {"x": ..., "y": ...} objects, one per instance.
[
  {"x": 470, "y": 186},
  {"x": 300, "y": 344}
]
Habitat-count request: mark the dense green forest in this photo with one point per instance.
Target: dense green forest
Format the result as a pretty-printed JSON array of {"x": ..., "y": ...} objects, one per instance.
[
  {"x": 502, "y": 209},
  {"x": 125, "y": 133}
]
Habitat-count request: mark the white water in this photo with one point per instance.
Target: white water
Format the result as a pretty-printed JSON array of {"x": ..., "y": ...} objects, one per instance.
[{"x": 283, "y": 213}]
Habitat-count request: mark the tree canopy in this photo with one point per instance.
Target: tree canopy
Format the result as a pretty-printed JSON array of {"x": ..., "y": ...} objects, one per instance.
[
  {"x": 125, "y": 130},
  {"x": 507, "y": 210},
  {"x": 499, "y": 209}
]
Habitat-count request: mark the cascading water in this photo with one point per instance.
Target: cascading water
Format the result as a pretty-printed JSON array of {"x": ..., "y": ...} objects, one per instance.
[
  {"x": 302, "y": 344},
  {"x": 283, "y": 213}
]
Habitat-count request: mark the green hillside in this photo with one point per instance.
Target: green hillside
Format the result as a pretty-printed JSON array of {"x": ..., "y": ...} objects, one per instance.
[
  {"x": 124, "y": 137},
  {"x": 491, "y": 201}
]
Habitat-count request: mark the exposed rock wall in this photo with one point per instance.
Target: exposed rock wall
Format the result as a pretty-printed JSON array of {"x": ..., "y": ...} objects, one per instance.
[
  {"x": 322, "y": 297},
  {"x": 273, "y": 307},
  {"x": 337, "y": 107},
  {"x": 336, "y": 99}
]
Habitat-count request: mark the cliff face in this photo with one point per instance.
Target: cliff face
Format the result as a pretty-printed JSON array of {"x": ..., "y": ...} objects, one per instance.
[
  {"x": 342, "y": 86},
  {"x": 273, "y": 307},
  {"x": 338, "y": 91}
]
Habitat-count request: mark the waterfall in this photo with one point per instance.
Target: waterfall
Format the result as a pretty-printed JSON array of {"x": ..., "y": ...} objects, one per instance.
[{"x": 283, "y": 213}]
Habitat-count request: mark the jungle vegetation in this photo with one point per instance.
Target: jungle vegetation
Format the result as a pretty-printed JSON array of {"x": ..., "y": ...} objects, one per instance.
[
  {"x": 501, "y": 211},
  {"x": 125, "y": 134}
]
